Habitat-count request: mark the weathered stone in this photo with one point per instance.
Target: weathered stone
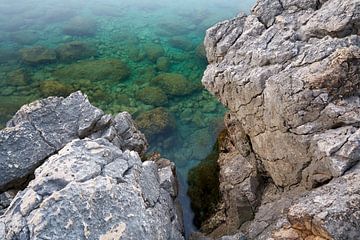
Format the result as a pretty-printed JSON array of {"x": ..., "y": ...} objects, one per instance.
[
  {"x": 89, "y": 182},
  {"x": 41, "y": 128},
  {"x": 289, "y": 74},
  {"x": 91, "y": 189}
]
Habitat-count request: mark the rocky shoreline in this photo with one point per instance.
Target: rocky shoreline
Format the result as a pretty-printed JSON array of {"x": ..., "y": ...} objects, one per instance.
[
  {"x": 89, "y": 182},
  {"x": 289, "y": 74}
]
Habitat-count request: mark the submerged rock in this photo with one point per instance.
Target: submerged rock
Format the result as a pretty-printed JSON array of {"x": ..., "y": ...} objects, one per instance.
[
  {"x": 37, "y": 55},
  {"x": 155, "y": 122},
  {"x": 174, "y": 84},
  {"x": 91, "y": 182},
  {"x": 181, "y": 43},
  {"x": 18, "y": 77},
  {"x": 153, "y": 51},
  {"x": 75, "y": 50},
  {"x": 55, "y": 88},
  {"x": 94, "y": 70},
  {"x": 163, "y": 64},
  {"x": 289, "y": 75},
  {"x": 152, "y": 95}
]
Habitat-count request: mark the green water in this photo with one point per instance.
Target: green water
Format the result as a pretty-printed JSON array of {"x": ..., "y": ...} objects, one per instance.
[{"x": 144, "y": 57}]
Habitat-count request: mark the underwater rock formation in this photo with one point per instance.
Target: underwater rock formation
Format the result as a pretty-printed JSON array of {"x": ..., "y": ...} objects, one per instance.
[
  {"x": 153, "y": 51},
  {"x": 174, "y": 84},
  {"x": 37, "y": 55},
  {"x": 55, "y": 88},
  {"x": 75, "y": 50},
  {"x": 155, "y": 122},
  {"x": 94, "y": 70},
  {"x": 290, "y": 75},
  {"x": 152, "y": 96},
  {"x": 89, "y": 182}
]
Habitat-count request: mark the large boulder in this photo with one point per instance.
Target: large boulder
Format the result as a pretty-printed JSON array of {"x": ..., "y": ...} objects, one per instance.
[
  {"x": 289, "y": 74},
  {"x": 89, "y": 182},
  {"x": 91, "y": 189},
  {"x": 43, "y": 127}
]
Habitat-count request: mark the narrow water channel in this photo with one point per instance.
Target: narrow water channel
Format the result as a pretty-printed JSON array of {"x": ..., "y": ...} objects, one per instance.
[{"x": 141, "y": 56}]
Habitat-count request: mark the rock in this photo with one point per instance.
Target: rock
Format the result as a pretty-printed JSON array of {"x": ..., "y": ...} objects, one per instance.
[
  {"x": 80, "y": 26},
  {"x": 92, "y": 189},
  {"x": 155, "y": 122},
  {"x": 152, "y": 95},
  {"x": 43, "y": 127},
  {"x": 173, "y": 84},
  {"x": 18, "y": 77},
  {"x": 181, "y": 43},
  {"x": 55, "y": 88},
  {"x": 94, "y": 70},
  {"x": 75, "y": 50},
  {"x": 37, "y": 55},
  {"x": 5, "y": 201},
  {"x": 163, "y": 64},
  {"x": 290, "y": 81},
  {"x": 153, "y": 51}
]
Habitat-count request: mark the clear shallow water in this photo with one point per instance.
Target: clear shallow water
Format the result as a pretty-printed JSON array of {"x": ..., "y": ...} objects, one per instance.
[{"x": 144, "y": 57}]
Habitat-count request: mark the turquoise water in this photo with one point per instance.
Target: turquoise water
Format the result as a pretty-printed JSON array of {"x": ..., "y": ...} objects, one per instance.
[{"x": 144, "y": 57}]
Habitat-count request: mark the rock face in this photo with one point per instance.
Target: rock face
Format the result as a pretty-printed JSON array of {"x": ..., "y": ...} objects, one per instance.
[
  {"x": 290, "y": 75},
  {"x": 89, "y": 182}
]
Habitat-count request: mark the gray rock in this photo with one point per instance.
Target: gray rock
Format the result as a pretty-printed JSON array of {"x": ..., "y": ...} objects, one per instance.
[
  {"x": 43, "y": 127},
  {"x": 289, "y": 75},
  {"x": 5, "y": 200},
  {"x": 91, "y": 189}
]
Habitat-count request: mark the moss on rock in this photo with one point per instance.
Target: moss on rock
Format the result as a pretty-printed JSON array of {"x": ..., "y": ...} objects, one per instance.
[
  {"x": 94, "y": 70},
  {"x": 152, "y": 96},
  {"x": 75, "y": 50},
  {"x": 55, "y": 88},
  {"x": 153, "y": 51},
  {"x": 174, "y": 84},
  {"x": 155, "y": 122}
]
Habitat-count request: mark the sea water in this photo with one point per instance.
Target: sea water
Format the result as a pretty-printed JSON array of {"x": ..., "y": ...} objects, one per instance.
[{"x": 141, "y": 56}]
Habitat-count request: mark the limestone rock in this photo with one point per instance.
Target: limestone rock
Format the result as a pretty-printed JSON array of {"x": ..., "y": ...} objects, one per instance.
[
  {"x": 43, "y": 127},
  {"x": 91, "y": 189},
  {"x": 89, "y": 182},
  {"x": 289, "y": 74}
]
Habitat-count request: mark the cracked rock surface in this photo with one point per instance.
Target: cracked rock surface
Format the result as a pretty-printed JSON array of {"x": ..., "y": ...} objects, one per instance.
[
  {"x": 43, "y": 127},
  {"x": 94, "y": 185},
  {"x": 290, "y": 75}
]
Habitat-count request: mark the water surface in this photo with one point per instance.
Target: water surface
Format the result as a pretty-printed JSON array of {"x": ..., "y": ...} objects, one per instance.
[{"x": 144, "y": 57}]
